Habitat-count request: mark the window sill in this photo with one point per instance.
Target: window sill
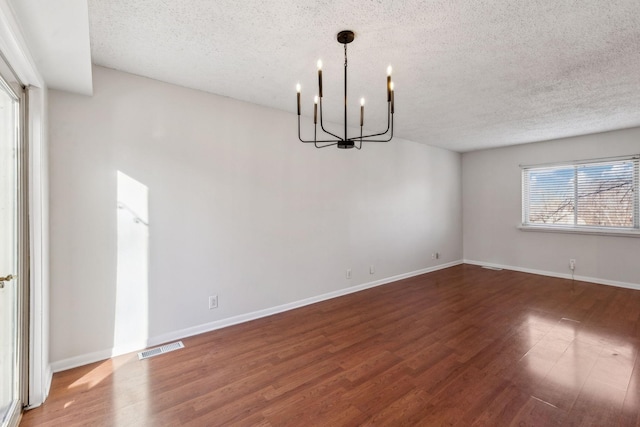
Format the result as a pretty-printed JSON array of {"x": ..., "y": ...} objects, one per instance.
[{"x": 576, "y": 230}]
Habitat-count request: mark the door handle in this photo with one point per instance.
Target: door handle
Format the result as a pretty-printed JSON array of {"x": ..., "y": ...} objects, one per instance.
[{"x": 6, "y": 279}]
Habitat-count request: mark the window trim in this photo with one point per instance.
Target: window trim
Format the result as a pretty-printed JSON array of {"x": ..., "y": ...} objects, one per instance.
[
  {"x": 618, "y": 232},
  {"x": 579, "y": 162},
  {"x": 583, "y": 229}
]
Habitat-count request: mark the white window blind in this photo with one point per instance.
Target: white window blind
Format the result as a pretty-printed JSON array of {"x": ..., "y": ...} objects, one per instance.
[{"x": 586, "y": 194}]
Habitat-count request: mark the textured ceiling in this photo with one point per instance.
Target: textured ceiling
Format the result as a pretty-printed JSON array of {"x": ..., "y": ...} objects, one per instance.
[{"x": 468, "y": 74}]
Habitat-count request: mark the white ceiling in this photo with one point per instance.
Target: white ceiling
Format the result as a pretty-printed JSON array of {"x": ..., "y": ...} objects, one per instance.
[{"x": 468, "y": 74}]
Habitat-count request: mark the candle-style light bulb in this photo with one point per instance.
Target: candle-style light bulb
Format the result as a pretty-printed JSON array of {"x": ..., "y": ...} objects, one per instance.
[
  {"x": 315, "y": 109},
  {"x": 320, "y": 77},
  {"x": 298, "y": 96},
  {"x": 389, "y": 83},
  {"x": 361, "y": 111}
]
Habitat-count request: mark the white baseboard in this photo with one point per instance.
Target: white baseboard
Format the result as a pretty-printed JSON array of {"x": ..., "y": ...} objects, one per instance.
[
  {"x": 85, "y": 359},
  {"x": 596, "y": 280}
]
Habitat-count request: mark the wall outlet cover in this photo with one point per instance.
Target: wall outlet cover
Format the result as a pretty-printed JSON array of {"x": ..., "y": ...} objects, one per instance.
[{"x": 213, "y": 301}]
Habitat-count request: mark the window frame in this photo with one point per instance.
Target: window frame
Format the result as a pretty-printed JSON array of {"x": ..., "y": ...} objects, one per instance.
[{"x": 633, "y": 231}]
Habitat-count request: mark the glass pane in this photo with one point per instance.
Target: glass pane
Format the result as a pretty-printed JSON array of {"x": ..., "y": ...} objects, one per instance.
[
  {"x": 605, "y": 195},
  {"x": 8, "y": 252},
  {"x": 551, "y": 194}
]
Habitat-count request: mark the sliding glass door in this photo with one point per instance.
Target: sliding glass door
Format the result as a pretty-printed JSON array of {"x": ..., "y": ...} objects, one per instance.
[{"x": 11, "y": 263}]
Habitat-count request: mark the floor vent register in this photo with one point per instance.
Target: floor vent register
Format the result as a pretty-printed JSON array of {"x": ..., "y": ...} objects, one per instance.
[{"x": 160, "y": 350}]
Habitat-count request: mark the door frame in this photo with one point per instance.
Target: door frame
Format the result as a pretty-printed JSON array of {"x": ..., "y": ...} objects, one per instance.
[
  {"x": 24, "y": 251},
  {"x": 9, "y": 82},
  {"x": 18, "y": 55}
]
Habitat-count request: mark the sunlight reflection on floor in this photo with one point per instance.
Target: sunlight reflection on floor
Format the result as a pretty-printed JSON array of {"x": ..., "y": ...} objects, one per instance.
[
  {"x": 570, "y": 359},
  {"x": 102, "y": 371}
]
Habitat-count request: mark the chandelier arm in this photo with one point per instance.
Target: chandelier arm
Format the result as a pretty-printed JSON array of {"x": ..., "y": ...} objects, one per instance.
[
  {"x": 389, "y": 126},
  {"x": 359, "y": 147},
  {"x": 325, "y": 146},
  {"x": 389, "y": 121},
  {"x": 322, "y": 125},
  {"x": 374, "y": 134},
  {"x": 315, "y": 140},
  {"x": 322, "y": 141},
  {"x": 364, "y": 138},
  {"x": 375, "y": 140},
  {"x": 328, "y": 140},
  {"x": 299, "y": 137}
]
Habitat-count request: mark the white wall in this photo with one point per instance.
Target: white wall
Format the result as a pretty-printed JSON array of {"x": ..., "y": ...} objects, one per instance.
[
  {"x": 237, "y": 207},
  {"x": 492, "y": 210}
]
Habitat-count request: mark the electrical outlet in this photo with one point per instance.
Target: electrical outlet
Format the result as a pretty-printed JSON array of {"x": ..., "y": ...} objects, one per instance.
[
  {"x": 372, "y": 269},
  {"x": 213, "y": 301},
  {"x": 572, "y": 264},
  {"x": 348, "y": 274}
]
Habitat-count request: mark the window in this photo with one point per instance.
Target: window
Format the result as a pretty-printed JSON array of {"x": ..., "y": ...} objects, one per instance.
[{"x": 591, "y": 195}]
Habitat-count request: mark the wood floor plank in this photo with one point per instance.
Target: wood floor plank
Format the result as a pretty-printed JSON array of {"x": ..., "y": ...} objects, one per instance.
[
  {"x": 598, "y": 404},
  {"x": 631, "y": 407},
  {"x": 408, "y": 410},
  {"x": 501, "y": 410},
  {"x": 538, "y": 413},
  {"x": 381, "y": 390},
  {"x": 462, "y": 346},
  {"x": 562, "y": 385}
]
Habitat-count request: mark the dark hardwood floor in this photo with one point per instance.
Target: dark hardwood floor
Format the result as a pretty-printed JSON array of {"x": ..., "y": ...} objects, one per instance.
[{"x": 463, "y": 346}]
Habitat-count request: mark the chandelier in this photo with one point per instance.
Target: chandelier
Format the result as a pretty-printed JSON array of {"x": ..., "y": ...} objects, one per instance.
[{"x": 346, "y": 37}]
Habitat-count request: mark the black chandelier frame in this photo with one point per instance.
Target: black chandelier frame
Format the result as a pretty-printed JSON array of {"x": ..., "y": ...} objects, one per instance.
[{"x": 346, "y": 37}]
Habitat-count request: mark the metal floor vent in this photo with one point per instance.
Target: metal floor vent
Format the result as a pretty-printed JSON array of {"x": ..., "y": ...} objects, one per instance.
[
  {"x": 491, "y": 268},
  {"x": 160, "y": 350}
]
